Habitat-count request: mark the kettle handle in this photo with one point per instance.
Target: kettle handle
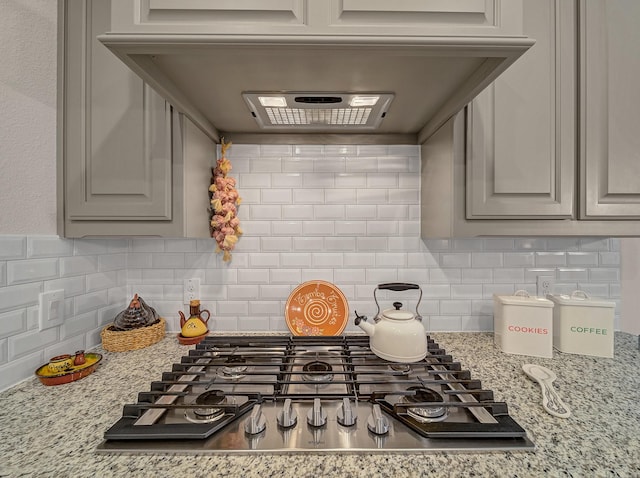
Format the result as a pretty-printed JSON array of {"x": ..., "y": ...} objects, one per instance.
[{"x": 398, "y": 286}]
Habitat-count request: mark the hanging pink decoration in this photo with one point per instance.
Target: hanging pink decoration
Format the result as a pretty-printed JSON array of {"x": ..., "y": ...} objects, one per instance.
[{"x": 225, "y": 225}]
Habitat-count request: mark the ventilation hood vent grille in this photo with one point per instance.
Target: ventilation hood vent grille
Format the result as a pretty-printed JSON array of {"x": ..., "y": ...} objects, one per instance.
[{"x": 303, "y": 111}]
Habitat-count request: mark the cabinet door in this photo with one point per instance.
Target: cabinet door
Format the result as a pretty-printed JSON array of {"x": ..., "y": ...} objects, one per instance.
[
  {"x": 610, "y": 109},
  {"x": 521, "y": 131},
  {"x": 117, "y": 130}
]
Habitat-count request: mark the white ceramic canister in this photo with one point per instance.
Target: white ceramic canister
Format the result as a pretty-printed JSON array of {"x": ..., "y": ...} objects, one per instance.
[
  {"x": 523, "y": 324},
  {"x": 583, "y": 325}
]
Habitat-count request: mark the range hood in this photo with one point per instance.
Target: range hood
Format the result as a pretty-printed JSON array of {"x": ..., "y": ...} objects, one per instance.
[{"x": 216, "y": 79}]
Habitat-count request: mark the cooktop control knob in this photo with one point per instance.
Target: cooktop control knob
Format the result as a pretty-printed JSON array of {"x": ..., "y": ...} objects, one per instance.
[
  {"x": 346, "y": 415},
  {"x": 256, "y": 422},
  {"x": 317, "y": 417},
  {"x": 377, "y": 422},
  {"x": 287, "y": 417}
]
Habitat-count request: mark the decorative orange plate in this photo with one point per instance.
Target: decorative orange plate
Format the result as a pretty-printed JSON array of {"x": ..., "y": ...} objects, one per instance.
[{"x": 316, "y": 308}]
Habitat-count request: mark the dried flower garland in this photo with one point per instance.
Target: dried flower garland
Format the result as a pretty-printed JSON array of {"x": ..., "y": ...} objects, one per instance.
[{"x": 225, "y": 225}]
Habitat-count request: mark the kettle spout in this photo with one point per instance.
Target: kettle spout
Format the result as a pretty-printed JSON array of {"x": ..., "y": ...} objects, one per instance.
[{"x": 361, "y": 321}]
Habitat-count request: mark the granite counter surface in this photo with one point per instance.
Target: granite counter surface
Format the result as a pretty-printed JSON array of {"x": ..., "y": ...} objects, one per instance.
[{"x": 54, "y": 431}]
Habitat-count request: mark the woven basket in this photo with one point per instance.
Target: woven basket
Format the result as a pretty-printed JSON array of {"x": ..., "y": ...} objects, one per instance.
[{"x": 123, "y": 340}]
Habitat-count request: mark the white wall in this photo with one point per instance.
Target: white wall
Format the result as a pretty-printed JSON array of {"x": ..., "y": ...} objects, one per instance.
[{"x": 28, "y": 38}]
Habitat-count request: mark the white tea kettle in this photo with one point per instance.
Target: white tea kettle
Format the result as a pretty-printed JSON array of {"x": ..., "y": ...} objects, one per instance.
[{"x": 396, "y": 335}]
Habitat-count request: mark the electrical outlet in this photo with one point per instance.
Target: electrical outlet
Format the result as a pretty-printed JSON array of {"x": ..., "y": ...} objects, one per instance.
[
  {"x": 545, "y": 285},
  {"x": 191, "y": 290}
]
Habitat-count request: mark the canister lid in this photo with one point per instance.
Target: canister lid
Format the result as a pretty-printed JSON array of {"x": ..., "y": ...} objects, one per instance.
[
  {"x": 523, "y": 298},
  {"x": 580, "y": 298}
]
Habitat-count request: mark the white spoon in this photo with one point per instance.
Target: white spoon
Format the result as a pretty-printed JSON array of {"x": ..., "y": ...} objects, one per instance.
[{"x": 550, "y": 399}]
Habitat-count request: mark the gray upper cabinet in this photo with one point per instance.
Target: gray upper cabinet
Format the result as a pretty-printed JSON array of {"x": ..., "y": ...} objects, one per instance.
[
  {"x": 553, "y": 141},
  {"x": 521, "y": 133},
  {"x": 123, "y": 152},
  {"x": 312, "y": 17},
  {"x": 610, "y": 106}
]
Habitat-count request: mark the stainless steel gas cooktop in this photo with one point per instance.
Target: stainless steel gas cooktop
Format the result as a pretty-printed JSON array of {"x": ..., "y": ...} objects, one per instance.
[{"x": 245, "y": 394}]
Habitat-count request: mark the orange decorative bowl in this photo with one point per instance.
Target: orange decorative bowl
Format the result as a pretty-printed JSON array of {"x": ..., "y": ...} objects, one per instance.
[
  {"x": 316, "y": 308},
  {"x": 76, "y": 372}
]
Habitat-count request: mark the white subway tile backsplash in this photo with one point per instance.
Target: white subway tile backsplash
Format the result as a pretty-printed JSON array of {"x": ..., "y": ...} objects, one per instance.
[
  {"x": 361, "y": 212},
  {"x": 276, "y": 244},
  {"x": 350, "y": 276},
  {"x": 609, "y": 258},
  {"x": 317, "y": 274},
  {"x": 93, "y": 301},
  {"x": 318, "y": 180},
  {"x": 382, "y": 228},
  {"x": 455, "y": 259},
  {"x": 332, "y": 165},
  {"x": 404, "y": 196},
  {"x": 437, "y": 291},
  {"x": 254, "y": 180},
  {"x": 373, "y": 150},
  {"x": 72, "y": 266},
  {"x": 13, "y": 247},
  {"x": 587, "y": 244},
  {"x": 519, "y": 259},
  {"x": 297, "y": 165},
  {"x": 80, "y": 323},
  {"x": 167, "y": 260},
  {"x": 158, "y": 276},
  {"x": 351, "y": 180},
  {"x": 12, "y": 323},
  {"x": 308, "y": 196},
  {"x": 455, "y": 307},
  {"x": 112, "y": 262},
  {"x": 276, "y": 196},
  {"x": 266, "y": 259},
  {"x": 48, "y": 246},
  {"x": 326, "y": 260},
  {"x": 23, "y": 295},
  {"x": 328, "y": 211},
  {"x": 477, "y": 275},
  {"x": 249, "y": 196},
  {"x": 346, "y": 214},
  {"x": 508, "y": 275},
  {"x": 451, "y": 276},
  {"x": 604, "y": 274},
  {"x": 233, "y": 308},
  {"x": 340, "y": 196},
  {"x": 30, "y": 342},
  {"x": 308, "y": 243},
  {"x": 298, "y": 211},
  {"x": 418, "y": 276},
  {"x": 391, "y": 259},
  {"x": 287, "y": 180},
  {"x": 30, "y": 270},
  {"x": 382, "y": 180},
  {"x": 572, "y": 274},
  {"x": 466, "y": 291},
  {"x": 101, "y": 280},
  {"x": 265, "y": 211},
  {"x": 266, "y": 165},
  {"x": 486, "y": 259},
  {"x": 253, "y": 276},
  {"x": 546, "y": 259},
  {"x": 256, "y": 228},
  {"x": 372, "y": 196},
  {"x": 393, "y": 211}
]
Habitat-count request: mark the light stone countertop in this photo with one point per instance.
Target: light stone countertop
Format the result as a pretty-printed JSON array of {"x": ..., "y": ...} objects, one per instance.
[{"x": 54, "y": 431}]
